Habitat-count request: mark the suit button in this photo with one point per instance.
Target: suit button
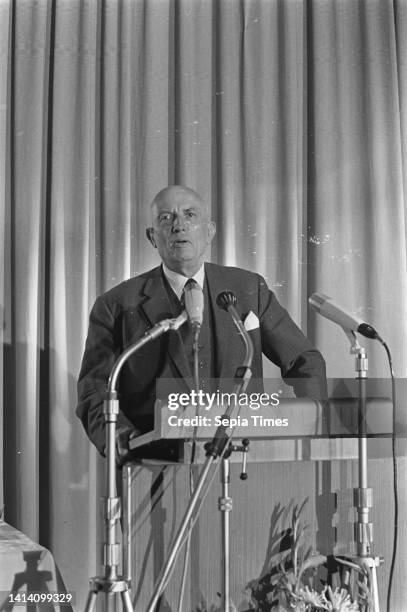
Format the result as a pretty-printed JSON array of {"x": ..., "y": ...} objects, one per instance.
[{"x": 201, "y": 364}]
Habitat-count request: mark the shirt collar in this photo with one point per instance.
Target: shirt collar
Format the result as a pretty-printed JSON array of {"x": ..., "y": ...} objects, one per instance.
[{"x": 177, "y": 281}]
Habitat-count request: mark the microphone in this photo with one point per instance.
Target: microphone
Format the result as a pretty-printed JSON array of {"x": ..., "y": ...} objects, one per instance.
[
  {"x": 329, "y": 309},
  {"x": 194, "y": 303},
  {"x": 226, "y": 300}
]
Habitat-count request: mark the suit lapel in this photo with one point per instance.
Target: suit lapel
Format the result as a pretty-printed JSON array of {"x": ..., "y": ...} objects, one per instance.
[{"x": 157, "y": 307}]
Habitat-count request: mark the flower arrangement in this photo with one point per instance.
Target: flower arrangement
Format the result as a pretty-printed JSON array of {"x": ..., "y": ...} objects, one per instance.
[{"x": 288, "y": 581}]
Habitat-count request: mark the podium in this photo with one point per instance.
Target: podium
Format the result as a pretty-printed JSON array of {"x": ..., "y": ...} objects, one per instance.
[{"x": 313, "y": 455}]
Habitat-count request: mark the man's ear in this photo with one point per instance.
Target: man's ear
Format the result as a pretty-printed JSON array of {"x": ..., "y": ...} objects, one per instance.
[
  {"x": 211, "y": 231},
  {"x": 150, "y": 236}
]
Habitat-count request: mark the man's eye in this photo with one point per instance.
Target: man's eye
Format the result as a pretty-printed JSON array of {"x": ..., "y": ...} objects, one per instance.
[
  {"x": 191, "y": 213},
  {"x": 165, "y": 218}
]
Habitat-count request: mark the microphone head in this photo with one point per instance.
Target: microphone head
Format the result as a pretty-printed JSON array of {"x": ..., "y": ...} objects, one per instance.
[
  {"x": 224, "y": 299},
  {"x": 333, "y": 311},
  {"x": 369, "y": 332},
  {"x": 194, "y": 302}
]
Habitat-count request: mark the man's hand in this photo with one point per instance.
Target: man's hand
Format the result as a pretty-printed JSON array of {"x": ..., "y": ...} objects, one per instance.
[{"x": 124, "y": 434}]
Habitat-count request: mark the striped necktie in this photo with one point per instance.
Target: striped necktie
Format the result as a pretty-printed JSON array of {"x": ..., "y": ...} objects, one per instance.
[{"x": 190, "y": 283}]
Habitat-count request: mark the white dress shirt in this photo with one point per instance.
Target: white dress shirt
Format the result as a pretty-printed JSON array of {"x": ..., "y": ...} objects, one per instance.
[{"x": 177, "y": 281}]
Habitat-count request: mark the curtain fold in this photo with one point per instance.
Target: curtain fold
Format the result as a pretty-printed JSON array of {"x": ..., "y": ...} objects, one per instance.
[
  {"x": 357, "y": 235},
  {"x": 288, "y": 117},
  {"x": 5, "y": 14},
  {"x": 28, "y": 123}
]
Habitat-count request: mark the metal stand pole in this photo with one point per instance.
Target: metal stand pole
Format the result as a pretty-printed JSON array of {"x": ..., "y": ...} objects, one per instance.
[
  {"x": 225, "y": 507},
  {"x": 110, "y": 583},
  {"x": 363, "y": 495},
  {"x": 127, "y": 517},
  {"x": 225, "y": 504}
]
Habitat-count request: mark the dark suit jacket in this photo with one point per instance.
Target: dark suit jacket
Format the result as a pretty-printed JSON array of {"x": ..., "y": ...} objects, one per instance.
[{"x": 122, "y": 315}]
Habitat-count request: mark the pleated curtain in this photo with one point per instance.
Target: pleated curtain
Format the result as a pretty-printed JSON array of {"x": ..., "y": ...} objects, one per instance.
[{"x": 289, "y": 117}]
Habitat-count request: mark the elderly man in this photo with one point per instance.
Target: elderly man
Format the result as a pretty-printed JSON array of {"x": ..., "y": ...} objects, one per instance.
[{"x": 181, "y": 231}]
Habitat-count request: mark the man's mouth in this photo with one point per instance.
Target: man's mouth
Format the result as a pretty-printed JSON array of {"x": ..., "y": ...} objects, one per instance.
[{"x": 180, "y": 242}]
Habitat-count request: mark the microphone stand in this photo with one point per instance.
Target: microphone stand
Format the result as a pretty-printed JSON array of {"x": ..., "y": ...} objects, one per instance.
[
  {"x": 214, "y": 449},
  {"x": 363, "y": 495},
  {"x": 111, "y": 582},
  {"x": 225, "y": 506}
]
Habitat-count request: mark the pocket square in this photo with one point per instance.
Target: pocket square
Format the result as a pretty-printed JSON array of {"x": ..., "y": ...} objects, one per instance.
[{"x": 251, "y": 321}]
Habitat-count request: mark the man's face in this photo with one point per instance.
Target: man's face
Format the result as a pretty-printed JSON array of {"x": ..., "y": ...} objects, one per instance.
[{"x": 181, "y": 229}]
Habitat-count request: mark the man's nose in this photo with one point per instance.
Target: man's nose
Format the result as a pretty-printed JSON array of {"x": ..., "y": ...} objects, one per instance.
[{"x": 178, "y": 223}]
